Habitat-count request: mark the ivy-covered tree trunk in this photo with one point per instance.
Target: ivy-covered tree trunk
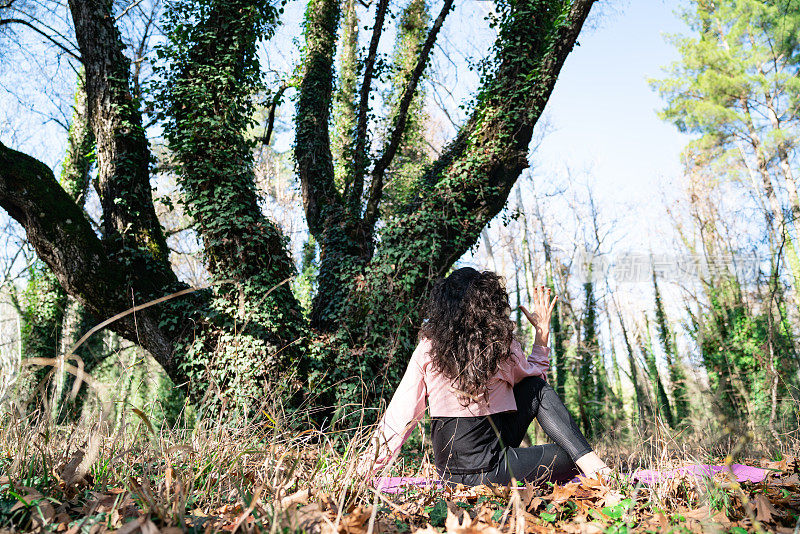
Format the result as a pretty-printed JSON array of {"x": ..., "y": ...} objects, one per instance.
[
  {"x": 616, "y": 390},
  {"x": 370, "y": 299},
  {"x": 646, "y": 345},
  {"x": 589, "y": 373},
  {"x": 78, "y": 321},
  {"x": 255, "y": 321},
  {"x": 677, "y": 376},
  {"x": 344, "y": 103},
  {"x": 41, "y": 310},
  {"x": 407, "y": 167},
  {"x": 557, "y": 328},
  {"x": 643, "y": 402}
]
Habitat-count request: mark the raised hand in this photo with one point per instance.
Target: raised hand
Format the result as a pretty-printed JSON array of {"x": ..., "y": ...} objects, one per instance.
[{"x": 542, "y": 309}]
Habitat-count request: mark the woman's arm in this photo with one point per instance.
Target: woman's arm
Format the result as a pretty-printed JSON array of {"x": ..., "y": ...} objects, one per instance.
[
  {"x": 519, "y": 366},
  {"x": 401, "y": 417},
  {"x": 538, "y": 363}
]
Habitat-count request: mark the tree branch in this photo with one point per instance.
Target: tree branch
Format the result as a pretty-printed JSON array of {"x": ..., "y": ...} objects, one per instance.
[
  {"x": 123, "y": 157},
  {"x": 312, "y": 115},
  {"x": 53, "y": 221},
  {"x": 470, "y": 182},
  {"x": 360, "y": 151},
  {"x": 43, "y": 34},
  {"x": 63, "y": 238},
  {"x": 401, "y": 117},
  {"x": 276, "y": 99}
]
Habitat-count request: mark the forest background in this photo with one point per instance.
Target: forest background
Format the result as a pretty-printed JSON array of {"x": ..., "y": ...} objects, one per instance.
[{"x": 313, "y": 171}]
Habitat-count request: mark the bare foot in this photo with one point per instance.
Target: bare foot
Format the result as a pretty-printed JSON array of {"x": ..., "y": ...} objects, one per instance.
[
  {"x": 591, "y": 464},
  {"x": 603, "y": 471}
]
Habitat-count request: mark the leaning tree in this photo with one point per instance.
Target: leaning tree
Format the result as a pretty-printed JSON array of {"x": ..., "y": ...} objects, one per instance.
[{"x": 385, "y": 228}]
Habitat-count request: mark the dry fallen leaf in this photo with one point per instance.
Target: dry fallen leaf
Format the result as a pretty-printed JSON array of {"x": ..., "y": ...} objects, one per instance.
[
  {"x": 764, "y": 509},
  {"x": 580, "y": 526},
  {"x": 356, "y": 521},
  {"x": 299, "y": 497},
  {"x": 791, "y": 480},
  {"x": 467, "y": 525},
  {"x": 562, "y": 493},
  {"x": 534, "y": 504},
  {"x": 308, "y": 518},
  {"x": 132, "y": 526},
  {"x": 721, "y": 518},
  {"x": 41, "y": 510}
]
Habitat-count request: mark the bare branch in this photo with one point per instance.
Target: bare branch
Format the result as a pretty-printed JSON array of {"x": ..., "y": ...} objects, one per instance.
[
  {"x": 127, "y": 9},
  {"x": 271, "y": 118},
  {"x": 43, "y": 34},
  {"x": 360, "y": 155},
  {"x": 400, "y": 119}
]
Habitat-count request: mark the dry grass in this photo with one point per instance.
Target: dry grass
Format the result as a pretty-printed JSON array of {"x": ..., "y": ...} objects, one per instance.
[{"x": 236, "y": 475}]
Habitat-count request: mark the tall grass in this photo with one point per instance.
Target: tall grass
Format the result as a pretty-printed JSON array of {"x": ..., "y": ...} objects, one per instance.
[
  {"x": 201, "y": 467},
  {"x": 215, "y": 471}
]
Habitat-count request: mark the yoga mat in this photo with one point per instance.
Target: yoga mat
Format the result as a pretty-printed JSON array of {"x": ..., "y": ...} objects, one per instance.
[
  {"x": 742, "y": 473},
  {"x": 398, "y": 484}
]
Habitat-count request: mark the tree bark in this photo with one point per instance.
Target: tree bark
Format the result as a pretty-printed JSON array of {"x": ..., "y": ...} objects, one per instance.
[
  {"x": 62, "y": 237},
  {"x": 122, "y": 153}
]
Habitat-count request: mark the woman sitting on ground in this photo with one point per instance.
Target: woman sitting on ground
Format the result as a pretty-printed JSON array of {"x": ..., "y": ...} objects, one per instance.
[{"x": 482, "y": 391}]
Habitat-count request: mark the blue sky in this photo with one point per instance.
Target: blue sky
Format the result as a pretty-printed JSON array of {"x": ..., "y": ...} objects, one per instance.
[
  {"x": 603, "y": 113},
  {"x": 602, "y": 123}
]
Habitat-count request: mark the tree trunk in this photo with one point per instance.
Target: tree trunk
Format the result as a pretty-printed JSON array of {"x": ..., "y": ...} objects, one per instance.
[
  {"x": 664, "y": 408},
  {"x": 591, "y": 383},
  {"x": 129, "y": 264},
  {"x": 374, "y": 299},
  {"x": 677, "y": 377},
  {"x": 122, "y": 153},
  {"x": 643, "y": 403},
  {"x": 211, "y": 80},
  {"x": 344, "y": 104},
  {"x": 775, "y": 214}
]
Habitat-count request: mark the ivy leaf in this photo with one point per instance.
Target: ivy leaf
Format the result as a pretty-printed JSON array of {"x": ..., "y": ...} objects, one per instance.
[
  {"x": 547, "y": 516},
  {"x": 437, "y": 513}
]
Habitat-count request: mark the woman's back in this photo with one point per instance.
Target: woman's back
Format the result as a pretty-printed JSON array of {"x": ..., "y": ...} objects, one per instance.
[
  {"x": 444, "y": 399},
  {"x": 423, "y": 382}
]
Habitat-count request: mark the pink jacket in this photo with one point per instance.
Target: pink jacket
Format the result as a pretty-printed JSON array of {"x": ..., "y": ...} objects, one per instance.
[{"x": 421, "y": 382}]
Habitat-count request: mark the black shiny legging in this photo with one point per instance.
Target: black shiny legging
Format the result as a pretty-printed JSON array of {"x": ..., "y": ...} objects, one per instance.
[{"x": 554, "y": 462}]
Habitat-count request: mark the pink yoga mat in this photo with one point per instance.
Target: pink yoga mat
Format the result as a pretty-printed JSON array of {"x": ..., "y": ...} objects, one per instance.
[
  {"x": 398, "y": 484},
  {"x": 742, "y": 473}
]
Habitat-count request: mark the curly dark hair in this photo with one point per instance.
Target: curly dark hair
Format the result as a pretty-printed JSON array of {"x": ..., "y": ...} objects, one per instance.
[{"x": 469, "y": 329}]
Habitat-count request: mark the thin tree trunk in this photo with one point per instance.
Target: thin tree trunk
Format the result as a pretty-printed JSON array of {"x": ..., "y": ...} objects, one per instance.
[
  {"x": 777, "y": 217},
  {"x": 677, "y": 376},
  {"x": 661, "y": 393}
]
